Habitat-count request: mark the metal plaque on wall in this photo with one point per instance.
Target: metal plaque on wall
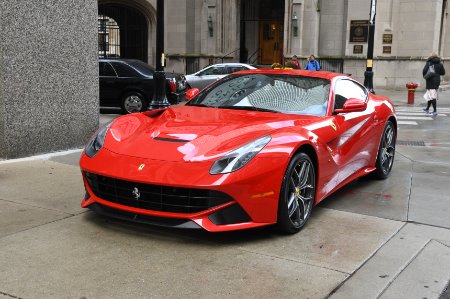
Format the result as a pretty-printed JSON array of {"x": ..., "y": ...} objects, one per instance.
[
  {"x": 359, "y": 31},
  {"x": 357, "y": 49},
  {"x": 387, "y": 38},
  {"x": 387, "y": 49}
]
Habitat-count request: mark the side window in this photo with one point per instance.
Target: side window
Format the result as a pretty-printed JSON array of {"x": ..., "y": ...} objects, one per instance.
[
  {"x": 124, "y": 70},
  {"x": 206, "y": 72},
  {"x": 346, "y": 89},
  {"x": 233, "y": 69},
  {"x": 106, "y": 70},
  {"x": 214, "y": 70}
]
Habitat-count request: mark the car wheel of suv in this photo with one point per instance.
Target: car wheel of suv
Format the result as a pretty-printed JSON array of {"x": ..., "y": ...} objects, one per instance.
[{"x": 133, "y": 102}]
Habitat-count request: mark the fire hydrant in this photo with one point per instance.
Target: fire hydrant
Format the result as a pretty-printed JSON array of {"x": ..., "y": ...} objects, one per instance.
[{"x": 411, "y": 91}]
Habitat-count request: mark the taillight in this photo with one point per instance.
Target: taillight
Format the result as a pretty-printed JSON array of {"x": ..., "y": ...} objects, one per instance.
[{"x": 172, "y": 86}]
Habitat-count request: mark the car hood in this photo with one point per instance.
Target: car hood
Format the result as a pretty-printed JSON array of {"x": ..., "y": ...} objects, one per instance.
[{"x": 194, "y": 134}]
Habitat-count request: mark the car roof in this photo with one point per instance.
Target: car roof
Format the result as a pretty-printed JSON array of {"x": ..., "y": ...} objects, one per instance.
[
  {"x": 120, "y": 60},
  {"x": 231, "y": 64},
  {"x": 316, "y": 74}
]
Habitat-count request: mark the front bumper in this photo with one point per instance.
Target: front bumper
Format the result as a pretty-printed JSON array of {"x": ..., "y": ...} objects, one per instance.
[{"x": 253, "y": 191}]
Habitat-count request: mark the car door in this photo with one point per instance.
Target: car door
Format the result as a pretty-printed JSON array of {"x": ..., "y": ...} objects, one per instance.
[
  {"x": 107, "y": 83},
  {"x": 127, "y": 79},
  {"x": 354, "y": 131},
  {"x": 208, "y": 76}
]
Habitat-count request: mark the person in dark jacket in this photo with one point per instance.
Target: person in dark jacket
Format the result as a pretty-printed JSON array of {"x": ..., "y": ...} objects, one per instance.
[
  {"x": 433, "y": 82},
  {"x": 295, "y": 62}
]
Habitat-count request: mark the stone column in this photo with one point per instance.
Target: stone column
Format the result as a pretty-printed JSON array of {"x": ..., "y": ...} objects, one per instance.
[{"x": 48, "y": 76}]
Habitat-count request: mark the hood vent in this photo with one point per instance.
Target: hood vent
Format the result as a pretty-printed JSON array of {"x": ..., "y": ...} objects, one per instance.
[{"x": 170, "y": 140}]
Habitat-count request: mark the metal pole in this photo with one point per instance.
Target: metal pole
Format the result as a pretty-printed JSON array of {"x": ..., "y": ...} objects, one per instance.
[
  {"x": 243, "y": 56},
  {"x": 368, "y": 75},
  {"x": 159, "y": 77}
]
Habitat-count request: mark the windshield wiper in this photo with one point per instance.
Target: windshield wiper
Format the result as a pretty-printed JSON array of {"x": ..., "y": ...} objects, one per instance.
[{"x": 251, "y": 108}]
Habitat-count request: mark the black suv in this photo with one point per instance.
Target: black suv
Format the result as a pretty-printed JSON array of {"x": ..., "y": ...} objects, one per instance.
[{"x": 128, "y": 84}]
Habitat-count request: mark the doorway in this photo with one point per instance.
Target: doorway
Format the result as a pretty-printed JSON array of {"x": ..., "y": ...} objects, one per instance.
[
  {"x": 122, "y": 32},
  {"x": 271, "y": 41},
  {"x": 262, "y": 31}
]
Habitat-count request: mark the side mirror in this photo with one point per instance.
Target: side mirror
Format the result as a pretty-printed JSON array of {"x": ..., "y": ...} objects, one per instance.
[
  {"x": 352, "y": 105},
  {"x": 191, "y": 93}
]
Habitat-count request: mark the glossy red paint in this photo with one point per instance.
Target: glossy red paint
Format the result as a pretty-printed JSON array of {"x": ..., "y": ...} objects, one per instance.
[{"x": 178, "y": 146}]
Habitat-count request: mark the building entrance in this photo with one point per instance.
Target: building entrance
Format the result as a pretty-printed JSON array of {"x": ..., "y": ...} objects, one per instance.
[
  {"x": 262, "y": 31},
  {"x": 122, "y": 32},
  {"x": 271, "y": 41}
]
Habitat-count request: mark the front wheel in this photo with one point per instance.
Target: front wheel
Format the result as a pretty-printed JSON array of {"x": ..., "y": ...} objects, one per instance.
[
  {"x": 297, "y": 194},
  {"x": 386, "y": 152},
  {"x": 133, "y": 102}
]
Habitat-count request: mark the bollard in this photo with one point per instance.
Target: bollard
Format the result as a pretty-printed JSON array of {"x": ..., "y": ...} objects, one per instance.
[{"x": 411, "y": 91}]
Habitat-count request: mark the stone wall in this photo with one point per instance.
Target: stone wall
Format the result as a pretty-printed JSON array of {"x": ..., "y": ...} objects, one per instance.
[
  {"x": 48, "y": 76},
  {"x": 392, "y": 73}
]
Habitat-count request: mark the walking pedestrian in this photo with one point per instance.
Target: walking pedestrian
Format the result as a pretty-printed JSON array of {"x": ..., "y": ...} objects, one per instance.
[
  {"x": 432, "y": 73},
  {"x": 312, "y": 64}
]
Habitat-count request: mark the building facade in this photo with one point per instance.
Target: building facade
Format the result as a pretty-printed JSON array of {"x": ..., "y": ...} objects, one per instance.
[
  {"x": 201, "y": 32},
  {"x": 49, "y": 52}
]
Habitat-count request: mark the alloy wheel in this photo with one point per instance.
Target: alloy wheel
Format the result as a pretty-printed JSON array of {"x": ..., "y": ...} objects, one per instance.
[
  {"x": 387, "y": 149},
  {"x": 301, "y": 192},
  {"x": 132, "y": 103}
]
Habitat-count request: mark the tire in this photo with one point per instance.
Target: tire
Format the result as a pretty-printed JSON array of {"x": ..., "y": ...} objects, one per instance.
[
  {"x": 133, "y": 102},
  {"x": 297, "y": 196},
  {"x": 386, "y": 152}
]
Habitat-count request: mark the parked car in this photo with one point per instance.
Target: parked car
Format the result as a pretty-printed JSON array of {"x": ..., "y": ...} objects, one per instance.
[
  {"x": 255, "y": 148},
  {"x": 211, "y": 73},
  {"x": 128, "y": 84}
]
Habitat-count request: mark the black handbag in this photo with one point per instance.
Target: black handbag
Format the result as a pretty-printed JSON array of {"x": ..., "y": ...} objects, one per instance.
[{"x": 430, "y": 73}]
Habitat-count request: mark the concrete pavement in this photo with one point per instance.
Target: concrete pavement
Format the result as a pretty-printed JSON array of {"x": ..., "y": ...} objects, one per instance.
[{"x": 372, "y": 239}]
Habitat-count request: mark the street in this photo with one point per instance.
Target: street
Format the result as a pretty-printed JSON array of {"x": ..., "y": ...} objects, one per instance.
[{"x": 372, "y": 239}]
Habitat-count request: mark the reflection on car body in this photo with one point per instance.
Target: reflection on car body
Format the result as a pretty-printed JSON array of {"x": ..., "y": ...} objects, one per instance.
[{"x": 257, "y": 148}]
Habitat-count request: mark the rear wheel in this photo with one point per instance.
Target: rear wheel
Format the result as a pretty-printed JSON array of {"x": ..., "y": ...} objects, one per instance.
[
  {"x": 386, "y": 152},
  {"x": 297, "y": 194},
  {"x": 133, "y": 102}
]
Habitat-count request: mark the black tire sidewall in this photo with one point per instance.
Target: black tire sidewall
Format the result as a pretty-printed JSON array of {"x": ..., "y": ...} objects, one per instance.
[
  {"x": 284, "y": 223},
  {"x": 379, "y": 172}
]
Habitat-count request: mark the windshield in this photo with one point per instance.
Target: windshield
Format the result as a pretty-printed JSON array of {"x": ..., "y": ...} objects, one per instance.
[{"x": 267, "y": 92}]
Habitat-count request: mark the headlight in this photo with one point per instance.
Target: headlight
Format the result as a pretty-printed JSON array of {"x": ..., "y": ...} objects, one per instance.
[
  {"x": 240, "y": 157},
  {"x": 96, "y": 142}
]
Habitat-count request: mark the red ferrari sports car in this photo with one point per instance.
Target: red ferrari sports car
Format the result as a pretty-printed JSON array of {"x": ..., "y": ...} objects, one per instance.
[{"x": 256, "y": 148}]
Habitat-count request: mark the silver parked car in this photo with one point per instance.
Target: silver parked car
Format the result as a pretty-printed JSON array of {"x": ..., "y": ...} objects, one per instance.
[{"x": 214, "y": 72}]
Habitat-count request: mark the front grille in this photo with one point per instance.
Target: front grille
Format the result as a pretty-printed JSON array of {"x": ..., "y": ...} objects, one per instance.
[
  {"x": 155, "y": 197},
  {"x": 158, "y": 221}
]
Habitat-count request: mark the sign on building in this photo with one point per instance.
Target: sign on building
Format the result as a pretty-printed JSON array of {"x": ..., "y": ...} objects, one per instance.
[{"x": 359, "y": 31}]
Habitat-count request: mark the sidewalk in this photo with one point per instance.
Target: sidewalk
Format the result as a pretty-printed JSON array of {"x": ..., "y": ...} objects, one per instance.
[
  {"x": 400, "y": 97},
  {"x": 373, "y": 239}
]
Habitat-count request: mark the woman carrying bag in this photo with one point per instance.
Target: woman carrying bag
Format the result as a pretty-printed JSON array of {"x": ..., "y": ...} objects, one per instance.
[{"x": 432, "y": 73}]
